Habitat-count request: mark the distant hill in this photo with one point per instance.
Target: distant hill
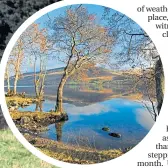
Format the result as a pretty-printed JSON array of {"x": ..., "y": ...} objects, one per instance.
[
  {"x": 100, "y": 86},
  {"x": 53, "y": 76},
  {"x": 101, "y": 71},
  {"x": 49, "y": 71}
]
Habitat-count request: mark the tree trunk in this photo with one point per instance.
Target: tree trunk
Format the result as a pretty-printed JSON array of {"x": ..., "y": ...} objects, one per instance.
[
  {"x": 8, "y": 85},
  {"x": 8, "y": 79},
  {"x": 36, "y": 91},
  {"x": 15, "y": 85},
  {"x": 59, "y": 102},
  {"x": 159, "y": 79},
  {"x": 37, "y": 106}
]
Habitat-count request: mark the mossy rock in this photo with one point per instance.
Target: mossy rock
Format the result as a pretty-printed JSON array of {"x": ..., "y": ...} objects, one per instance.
[
  {"x": 106, "y": 129},
  {"x": 25, "y": 120}
]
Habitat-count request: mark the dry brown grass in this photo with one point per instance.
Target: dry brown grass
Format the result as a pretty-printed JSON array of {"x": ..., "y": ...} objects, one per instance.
[
  {"x": 19, "y": 99},
  {"x": 97, "y": 91},
  {"x": 130, "y": 96},
  {"x": 39, "y": 115},
  {"x": 103, "y": 78},
  {"x": 71, "y": 153}
]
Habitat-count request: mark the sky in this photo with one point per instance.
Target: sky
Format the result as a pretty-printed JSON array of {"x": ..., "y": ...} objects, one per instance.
[{"x": 93, "y": 9}]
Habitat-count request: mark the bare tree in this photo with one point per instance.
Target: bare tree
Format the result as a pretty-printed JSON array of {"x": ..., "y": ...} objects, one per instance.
[
  {"x": 17, "y": 57},
  {"x": 147, "y": 78},
  {"x": 81, "y": 40},
  {"x": 7, "y": 75},
  {"x": 136, "y": 45},
  {"x": 36, "y": 50}
]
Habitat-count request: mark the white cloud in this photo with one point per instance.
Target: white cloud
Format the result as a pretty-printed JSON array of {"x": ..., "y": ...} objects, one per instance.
[
  {"x": 89, "y": 110},
  {"x": 144, "y": 118}
]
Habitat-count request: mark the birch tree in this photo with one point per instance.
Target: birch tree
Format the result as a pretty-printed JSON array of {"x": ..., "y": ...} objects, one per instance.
[
  {"x": 36, "y": 50},
  {"x": 81, "y": 40},
  {"x": 7, "y": 75},
  {"x": 17, "y": 58}
]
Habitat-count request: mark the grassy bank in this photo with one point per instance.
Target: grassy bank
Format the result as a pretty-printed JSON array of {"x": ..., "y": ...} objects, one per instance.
[
  {"x": 14, "y": 155},
  {"x": 20, "y": 100},
  {"x": 36, "y": 121},
  {"x": 72, "y": 153}
]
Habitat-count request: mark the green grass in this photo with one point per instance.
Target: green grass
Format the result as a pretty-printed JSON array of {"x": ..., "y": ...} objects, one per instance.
[{"x": 14, "y": 155}]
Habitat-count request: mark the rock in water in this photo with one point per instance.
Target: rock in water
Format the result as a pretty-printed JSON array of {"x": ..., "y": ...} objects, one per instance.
[
  {"x": 117, "y": 135},
  {"x": 106, "y": 129}
]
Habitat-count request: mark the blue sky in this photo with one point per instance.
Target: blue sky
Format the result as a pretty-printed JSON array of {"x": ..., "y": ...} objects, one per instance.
[{"x": 93, "y": 9}]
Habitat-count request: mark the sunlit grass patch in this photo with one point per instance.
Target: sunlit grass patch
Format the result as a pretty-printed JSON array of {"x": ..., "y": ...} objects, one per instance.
[
  {"x": 20, "y": 99},
  {"x": 14, "y": 155}
]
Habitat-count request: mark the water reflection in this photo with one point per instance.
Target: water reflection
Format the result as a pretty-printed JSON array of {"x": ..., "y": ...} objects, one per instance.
[
  {"x": 87, "y": 110},
  {"x": 115, "y": 105},
  {"x": 144, "y": 118},
  {"x": 129, "y": 118},
  {"x": 39, "y": 106},
  {"x": 58, "y": 127}
]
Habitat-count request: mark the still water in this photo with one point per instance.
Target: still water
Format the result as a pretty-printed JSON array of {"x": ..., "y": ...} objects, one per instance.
[{"x": 84, "y": 127}]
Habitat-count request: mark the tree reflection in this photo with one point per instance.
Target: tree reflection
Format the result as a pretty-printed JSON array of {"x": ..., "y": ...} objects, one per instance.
[
  {"x": 58, "y": 127},
  {"x": 39, "y": 106}
]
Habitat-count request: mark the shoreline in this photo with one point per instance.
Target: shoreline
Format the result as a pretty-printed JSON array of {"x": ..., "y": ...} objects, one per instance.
[
  {"x": 71, "y": 153},
  {"x": 31, "y": 124}
]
